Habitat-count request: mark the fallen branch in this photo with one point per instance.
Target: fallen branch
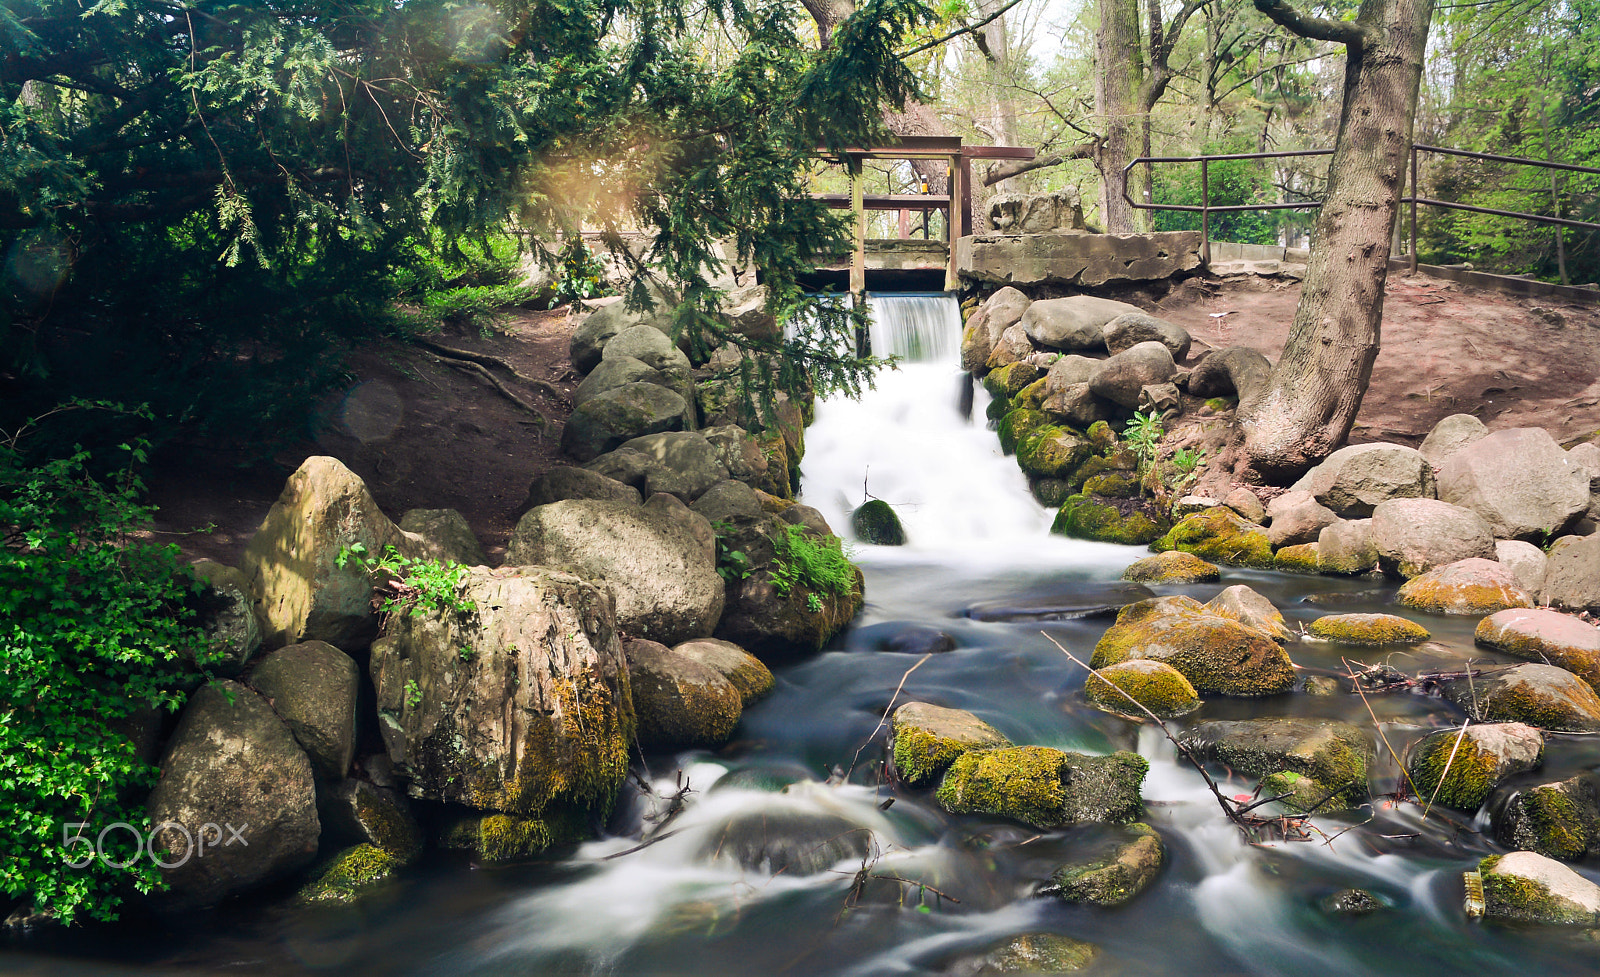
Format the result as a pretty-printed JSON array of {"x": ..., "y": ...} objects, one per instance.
[{"x": 885, "y": 717}]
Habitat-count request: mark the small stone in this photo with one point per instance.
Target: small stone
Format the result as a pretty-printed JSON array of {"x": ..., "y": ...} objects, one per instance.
[
  {"x": 1115, "y": 878},
  {"x": 1246, "y": 504},
  {"x": 1351, "y": 902},
  {"x": 1368, "y": 629}
]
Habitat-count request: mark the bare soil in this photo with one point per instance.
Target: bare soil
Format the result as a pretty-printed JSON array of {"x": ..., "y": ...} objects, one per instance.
[{"x": 426, "y": 436}]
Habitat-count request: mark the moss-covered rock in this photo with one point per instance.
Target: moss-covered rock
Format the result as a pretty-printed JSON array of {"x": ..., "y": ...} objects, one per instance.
[
  {"x": 1240, "y": 603},
  {"x": 1368, "y": 629},
  {"x": 1102, "y": 437},
  {"x": 1032, "y": 396},
  {"x": 506, "y": 837},
  {"x": 1559, "y": 820},
  {"x": 745, "y": 671},
  {"x": 679, "y": 702},
  {"x": 1220, "y": 404},
  {"x": 1045, "y": 787},
  {"x": 360, "y": 812},
  {"x": 1051, "y": 452},
  {"x": 1332, "y": 755},
  {"x": 1541, "y": 634},
  {"x": 1050, "y": 492},
  {"x": 1216, "y": 654},
  {"x": 1525, "y": 887},
  {"x": 875, "y": 522},
  {"x": 1017, "y": 424},
  {"x": 1114, "y": 878},
  {"x": 1122, "y": 462},
  {"x": 1088, "y": 517},
  {"x": 1459, "y": 768},
  {"x": 1534, "y": 693},
  {"x": 349, "y": 875},
  {"x": 1009, "y": 381},
  {"x": 1347, "y": 548},
  {"x": 1173, "y": 566},
  {"x": 998, "y": 408},
  {"x": 1112, "y": 485},
  {"x": 1301, "y": 558},
  {"x": 1474, "y": 586},
  {"x": 1031, "y": 953},
  {"x": 928, "y": 738},
  {"x": 1155, "y": 685},
  {"x": 1221, "y": 536}
]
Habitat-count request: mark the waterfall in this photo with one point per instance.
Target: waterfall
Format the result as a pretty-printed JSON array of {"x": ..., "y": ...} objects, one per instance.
[{"x": 915, "y": 326}]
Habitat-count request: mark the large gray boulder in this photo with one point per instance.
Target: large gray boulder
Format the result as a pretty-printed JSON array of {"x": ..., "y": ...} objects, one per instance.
[
  {"x": 663, "y": 571},
  {"x": 1075, "y": 322},
  {"x": 1234, "y": 371},
  {"x": 1121, "y": 378},
  {"x": 1451, "y": 433},
  {"x": 1295, "y": 518},
  {"x": 1572, "y": 574},
  {"x": 1534, "y": 693},
  {"x": 443, "y": 535},
  {"x": 744, "y": 458},
  {"x": 520, "y": 707},
  {"x": 1078, "y": 406},
  {"x": 1346, "y": 547},
  {"x": 1519, "y": 480},
  {"x": 577, "y": 483},
  {"x": 607, "y": 420},
  {"x": 612, "y": 373},
  {"x": 681, "y": 463},
  {"x": 647, "y": 344},
  {"x": 1355, "y": 478},
  {"x": 1132, "y": 328},
  {"x": 312, "y": 687},
  {"x": 231, "y": 765},
  {"x": 998, "y": 313},
  {"x": 1415, "y": 535},
  {"x": 227, "y": 616}
]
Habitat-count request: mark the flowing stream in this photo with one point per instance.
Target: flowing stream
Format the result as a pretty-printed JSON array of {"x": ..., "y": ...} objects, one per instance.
[{"x": 908, "y": 889}]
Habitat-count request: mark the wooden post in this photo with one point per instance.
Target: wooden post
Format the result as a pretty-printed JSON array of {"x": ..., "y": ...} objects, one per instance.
[
  {"x": 953, "y": 225},
  {"x": 858, "y": 259},
  {"x": 905, "y": 223}
]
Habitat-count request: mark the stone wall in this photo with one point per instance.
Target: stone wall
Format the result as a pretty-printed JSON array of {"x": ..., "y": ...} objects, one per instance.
[{"x": 1075, "y": 259}]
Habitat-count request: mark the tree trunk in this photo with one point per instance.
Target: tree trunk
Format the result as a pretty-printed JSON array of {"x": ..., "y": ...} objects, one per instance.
[
  {"x": 1118, "y": 78},
  {"x": 1311, "y": 399}
]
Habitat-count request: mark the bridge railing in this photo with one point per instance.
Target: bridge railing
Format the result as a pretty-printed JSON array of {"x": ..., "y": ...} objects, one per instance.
[{"x": 1205, "y": 208}]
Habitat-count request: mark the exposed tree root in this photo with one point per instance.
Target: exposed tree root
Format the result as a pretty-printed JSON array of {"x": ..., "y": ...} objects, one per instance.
[{"x": 484, "y": 359}]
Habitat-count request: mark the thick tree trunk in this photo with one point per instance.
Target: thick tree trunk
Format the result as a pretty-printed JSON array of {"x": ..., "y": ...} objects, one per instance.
[
  {"x": 1118, "y": 79},
  {"x": 1311, "y": 400}
]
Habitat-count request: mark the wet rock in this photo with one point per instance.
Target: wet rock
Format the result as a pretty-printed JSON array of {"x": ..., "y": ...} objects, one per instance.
[
  {"x": 1091, "y": 517},
  {"x": 1346, "y": 547},
  {"x": 1334, "y": 756},
  {"x": 1459, "y": 769},
  {"x": 1173, "y": 566},
  {"x": 1080, "y": 600},
  {"x": 1018, "y": 424},
  {"x": 1296, "y": 518},
  {"x": 1220, "y": 536},
  {"x": 745, "y": 671},
  {"x": 312, "y": 687},
  {"x": 928, "y": 738},
  {"x": 1560, "y": 820},
  {"x": 1030, "y": 953},
  {"x": 1297, "y": 559},
  {"x": 608, "y": 420},
  {"x": 361, "y": 813},
  {"x": 1466, "y": 587},
  {"x": 1247, "y": 505},
  {"x": 679, "y": 702},
  {"x": 1415, "y": 535},
  {"x": 1115, "y": 878},
  {"x": 510, "y": 837},
  {"x": 1044, "y": 787},
  {"x": 1451, "y": 433},
  {"x": 1519, "y": 480},
  {"x": 1323, "y": 685},
  {"x": 1121, "y": 378},
  {"x": 1132, "y": 328},
  {"x": 875, "y": 522},
  {"x": 1543, "y": 635},
  {"x": 1368, "y": 629},
  {"x": 1216, "y": 654},
  {"x": 800, "y": 514},
  {"x": 1526, "y": 562},
  {"x": 902, "y": 637},
  {"x": 1155, "y": 685},
  {"x": 565, "y": 482},
  {"x": 788, "y": 841},
  {"x": 1073, "y": 323},
  {"x": 227, "y": 616},
  {"x": 1572, "y": 575},
  {"x": 1008, "y": 381},
  {"x": 1354, "y": 479},
  {"x": 664, "y": 575},
  {"x": 1249, "y": 608},
  {"x": 232, "y": 762},
  {"x": 1235, "y": 371},
  {"x": 1052, "y": 452},
  {"x": 774, "y": 621},
  {"x": 443, "y": 535},
  {"x": 1537, "y": 694},
  {"x": 349, "y": 875},
  {"x": 1351, "y": 902},
  {"x": 521, "y": 707},
  {"x": 1525, "y": 887},
  {"x": 1112, "y": 485}
]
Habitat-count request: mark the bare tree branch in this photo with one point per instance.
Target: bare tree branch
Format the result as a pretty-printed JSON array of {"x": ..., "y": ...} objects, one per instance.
[
  {"x": 1005, "y": 171},
  {"x": 1353, "y": 34},
  {"x": 965, "y": 30}
]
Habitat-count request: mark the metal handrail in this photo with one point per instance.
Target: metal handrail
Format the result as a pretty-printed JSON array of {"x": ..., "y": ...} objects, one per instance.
[{"x": 1205, "y": 210}]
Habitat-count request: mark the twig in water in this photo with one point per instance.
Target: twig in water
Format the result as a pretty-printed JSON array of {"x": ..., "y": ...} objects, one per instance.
[
  {"x": 885, "y": 717},
  {"x": 1379, "y": 727},
  {"x": 1446, "y": 771}
]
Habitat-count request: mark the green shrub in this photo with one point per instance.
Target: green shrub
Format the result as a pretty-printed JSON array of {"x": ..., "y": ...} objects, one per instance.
[
  {"x": 820, "y": 565},
  {"x": 96, "y": 626}
]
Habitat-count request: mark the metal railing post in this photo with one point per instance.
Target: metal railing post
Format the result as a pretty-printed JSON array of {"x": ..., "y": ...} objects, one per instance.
[{"x": 1414, "y": 195}]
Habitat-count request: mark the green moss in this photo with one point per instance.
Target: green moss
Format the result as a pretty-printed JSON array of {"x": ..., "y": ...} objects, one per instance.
[
  {"x": 1368, "y": 629},
  {"x": 1296, "y": 559},
  {"x": 998, "y": 408},
  {"x": 1118, "y": 461},
  {"x": 1331, "y": 756},
  {"x": 389, "y": 826},
  {"x": 1557, "y": 825},
  {"x": 1220, "y": 404},
  {"x": 1049, "y": 451},
  {"x": 1155, "y": 685},
  {"x": 920, "y": 756},
  {"x": 350, "y": 874},
  {"x": 1466, "y": 782},
  {"x": 1017, "y": 425},
  {"x": 1102, "y": 437},
  {"x": 1114, "y": 880},
  {"x": 1032, "y": 395},
  {"x": 1526, "y": 702},
  {"x": 1173, "y": 566},
  {"x": 1517, "y": 899},
  {"x": 1085, "y": 517},
  {"x": 1304, "y": 793},
  {"x": 1038, "y": 953},
  {"x": 1218, "y": 534},
  {"x": 1431, "y": 592},
  {"x": 1009, "y": 381},
  {"x": 874, "y": 521},
  {"x": 1112, "y": 485},
  {"x": 1044, "y": 787}
]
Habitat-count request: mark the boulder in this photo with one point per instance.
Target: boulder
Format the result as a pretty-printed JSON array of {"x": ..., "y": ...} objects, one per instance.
[
  {"x": 1458, "y": 769},
  {"x": 521, "y": 707},
  {"x": 744, "y": 458},
  {"x": 1155, "y": 685},
  {"x": 1296, "y": 518},
  {"x": 619, "y": 415},
  {"x": 1067, "y": 371},
  {"x": 1018, "y": 424},
  {"x": 1533, "y": 693},
  {"x": 1028, "y": 953},
  {"x": 1075, "y": 322},
  {"x": 613, "y": 373},
  {"x": 1220, "y": 536},
  {"x": 875, "y": 522},
  {"x": 647, "y": 344},
  {"x": 1346, "y": 547},
  {"x": 1246, "y": 503},
  {"x": 1519, "y": 480},
  {"x": 1572, "y": 574},
  {"x": 776, "y": 618},
  {"x": 1368, "y": 629},
  {"x": 656, "y": 559},
  {"x": 1301, "y": 558},
  {"x": 1121, "y": 378},
  {"x": 565, "y": 482},
  {"x": 1011, "y": 348},
  {"x": 1525, "y": 887},
  {"x": 1173, "y": 566},
  {"x": 349, "y": 875},
  {"x": 1543, "y": 635},
  {"x": 1132, "y": 328},
  {"x": 679, "y": 463},
  {"x": 589, "y": 339},
  {"x": 1103, "y": 520},
  {"x": 1052, "y": 452},
  {"x": 1560, "y": 820},
  {"x": 748, "y": 312},
  {"x": 227, "y": 617},
  {"x": 1455, "y": 431},
  {"x": 730, "y": 502},
  {"x": 231, "y": 764},
  {"x": 743, "y": 670},
  {"x": 443, "y": 535},
  {"x": 293, "y": 562},
  {"x": 1415, "y": 535},
  {"x": 312, "y": 687},
  {"x": 1044, "y": 787},
  {"x": 357, "y": 812},
  {"x": 1334, "y": 756},
  {"x": 1077, "y": 405},
  {"x": 976, "y": 347},
  {"x": 1002, "y": 310},
  {"x": 1249, "y": 608},
  {"x": 1008, "y": 381},
  {"x": 1526, "y": 562},
  {"x": 680, "y": 703},
  {"x": 1354, "y": 479},
  {"x": 790, "y": 841},
  {"x": 1114, "y": 877},
  {"x": 1466, "y": 587},
  {"x": 1216, "y": 654},
  {"x": 1235, "y": 371},
  {"x": 928, "y": 738}
]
